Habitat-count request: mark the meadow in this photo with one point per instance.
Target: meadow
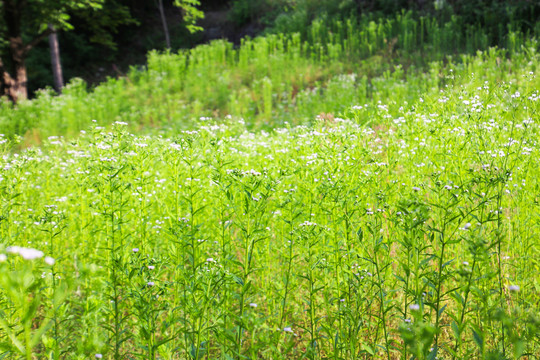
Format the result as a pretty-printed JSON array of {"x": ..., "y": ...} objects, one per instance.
[
  {"x": 403, "y": 228},
  {"x": 268, "y": 80},
  {"x": 384, "y": 215}
]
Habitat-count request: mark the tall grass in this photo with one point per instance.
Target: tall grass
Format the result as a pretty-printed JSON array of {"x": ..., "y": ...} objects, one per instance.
[
  {"x": 407, "y": 227},
  {"x": 268, "y": 80}
]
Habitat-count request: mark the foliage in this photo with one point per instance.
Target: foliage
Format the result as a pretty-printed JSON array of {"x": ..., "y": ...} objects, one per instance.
[
  {"x": 268, "y": 80},
  {"x": 38, "y": 14},
  {"x": 102, "y": 26},
  {"x": 406, "y": 226},
  {"x": 296, "y": 15},
  {"x": 26, "y": 23},
  {"x": 191, "y": 12},
  {"x": 243, "y": 12}
]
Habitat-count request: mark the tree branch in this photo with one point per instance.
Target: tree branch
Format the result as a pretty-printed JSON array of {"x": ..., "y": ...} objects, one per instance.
[{"x": 38, "y": 38}]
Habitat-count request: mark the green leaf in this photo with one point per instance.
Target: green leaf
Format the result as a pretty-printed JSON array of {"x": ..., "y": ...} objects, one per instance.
[
  {"x": 479, "y": 339},
  {"x": 12, "y": 335},
  {"x": 238, "y": 280},
  {"x": 36, "y": 337},
  {"x": 455, "y": 329},
  {"x": 368, "y": 349},
  {"x": 441, "y": 310},
  {"x": 519, "y": 347},
  {"x": 447, "y": 263}
]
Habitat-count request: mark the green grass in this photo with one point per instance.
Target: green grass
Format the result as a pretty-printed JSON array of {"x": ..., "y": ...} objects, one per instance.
[
  {"x": 268, "y": 81},
  {"x": 406, "y": 226}
]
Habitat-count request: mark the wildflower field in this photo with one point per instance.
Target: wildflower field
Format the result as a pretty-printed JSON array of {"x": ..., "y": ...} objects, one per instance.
[
  {"x": 268, "y": 80},
  {"x": 405, "y": 226}
]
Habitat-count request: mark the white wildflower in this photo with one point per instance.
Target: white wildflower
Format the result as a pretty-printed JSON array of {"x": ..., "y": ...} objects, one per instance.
[
  {"x": 25, "y": 253},
  {"x": 513, "y": 288}
]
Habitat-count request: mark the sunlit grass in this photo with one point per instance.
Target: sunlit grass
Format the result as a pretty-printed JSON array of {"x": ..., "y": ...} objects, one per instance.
[
  {"x": 405, "y": 227},
  {"x": 270, "y": 80}
]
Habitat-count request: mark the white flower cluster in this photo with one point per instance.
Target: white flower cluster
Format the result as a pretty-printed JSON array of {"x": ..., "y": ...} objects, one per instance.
[{"x": 27, "y": 254}]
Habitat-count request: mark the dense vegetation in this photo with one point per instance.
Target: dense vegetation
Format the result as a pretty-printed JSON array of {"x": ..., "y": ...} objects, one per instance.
[
  {"x": 112, "y": 34},
  {"x": 365, "y": 187},
  {"x": 407, "y": 227},
  {"x": 267, "y": 80}
]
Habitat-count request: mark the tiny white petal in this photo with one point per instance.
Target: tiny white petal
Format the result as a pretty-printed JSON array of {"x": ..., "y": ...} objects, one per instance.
[
  {"x": 513, "y": 288},
  {"x": 13, "y": 249},
  {"x": 30, "y": 254}
]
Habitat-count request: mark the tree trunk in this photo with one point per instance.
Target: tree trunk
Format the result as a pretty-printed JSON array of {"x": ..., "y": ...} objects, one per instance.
[
  {"x": 164, "y": 21},
  {"x": 15, "y": 86},
  {"x": 13, "y": 77},
  {"x": 55, "y": 60}
]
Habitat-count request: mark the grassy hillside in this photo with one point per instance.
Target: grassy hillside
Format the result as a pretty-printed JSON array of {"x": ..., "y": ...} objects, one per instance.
[
  {"x": 268, "y": 80},
  {"x": 407, "y": 227},
  {"x": 367, "y": 189}
]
